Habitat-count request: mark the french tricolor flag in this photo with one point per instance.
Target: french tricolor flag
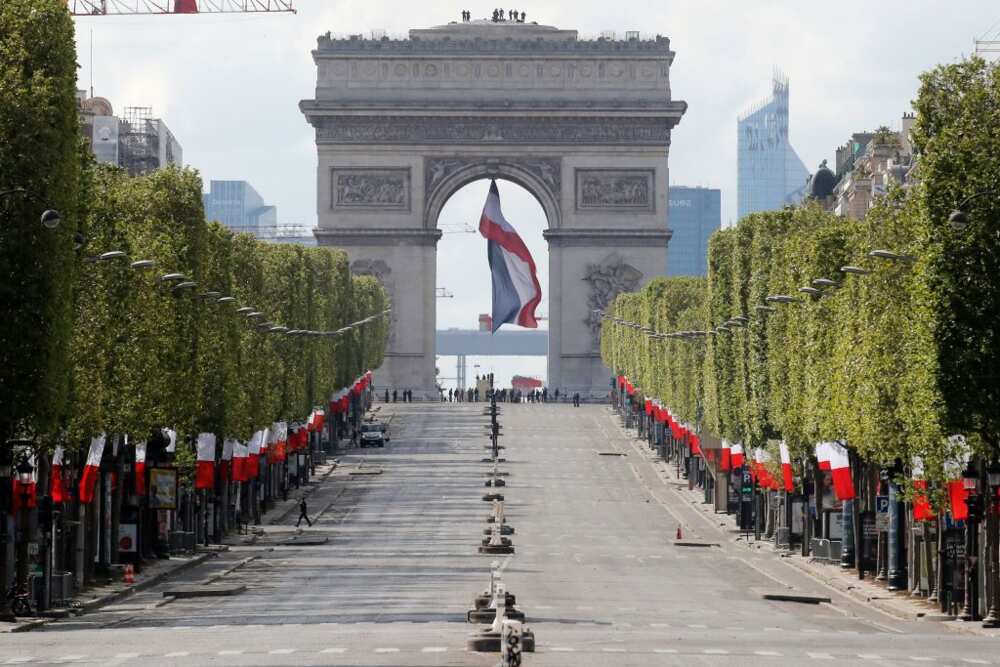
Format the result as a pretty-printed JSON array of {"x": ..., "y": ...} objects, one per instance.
[
  {"x": 516, "y": 292},
  {"x": 786, "y": 467}
]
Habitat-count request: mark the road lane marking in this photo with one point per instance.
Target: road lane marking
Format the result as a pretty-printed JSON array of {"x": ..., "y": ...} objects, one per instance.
[
  {"x": 434, "y": 649},
  {"x": 664, "y": 650},
  {"x": 176, "y": 654},
  {"x": 282, "y": 651},
  {"x": 71, "y": 658},
  {"x": 335, "y": 649},
  {"x": 869, "y": 656},
  {"x": 231, "y": 652},
  {"x": 921, "y": 658},
  {"x": 387, "y": 650},
  {"x": 19, "y": 660},
  {"x": 768, "y": 654},
  {"x": 697, "y": 626},
  {"x": 715, "y": 651},
  {"x": 562, "y": 649},
  {"x": 820, "y": 656},
  {"x": 975, "y": 661},
  {"x": 613, "y": 649},
  {"x": 127, "y": 655}
]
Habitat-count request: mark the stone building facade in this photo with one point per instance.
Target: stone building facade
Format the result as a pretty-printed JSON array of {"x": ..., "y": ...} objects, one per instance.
[{"x": 584, "y": 125}]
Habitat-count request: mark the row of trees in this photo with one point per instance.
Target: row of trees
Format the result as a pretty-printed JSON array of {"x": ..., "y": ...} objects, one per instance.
[
  {"x": 894, "y": 355},
  {"x": 94, "y": 342}
]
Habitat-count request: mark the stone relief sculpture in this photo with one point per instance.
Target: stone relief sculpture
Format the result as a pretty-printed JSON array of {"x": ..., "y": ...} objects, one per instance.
[
  {"x": 371, "y": 188},
  {"x": 381, "y": 271},
  {"x": 607, "y": 280},
  {"x": 610, "y": 189},
  {"x": 548, "y": 170}
]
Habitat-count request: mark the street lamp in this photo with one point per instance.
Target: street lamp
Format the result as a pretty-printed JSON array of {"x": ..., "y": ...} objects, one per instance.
[
  {"x": 970, "y": 482},
  {"x": 856, "y": 270},
  {"x": 823, "y": 282},
  {"x": 50, "y": 218},
  {"x": 141, "y": 264},
  {"x": 891, "y": 256},
  {"x": 992, "y": 619},
  {"x": 959, "y": 219},
  {"x": 781, "y": 298}
]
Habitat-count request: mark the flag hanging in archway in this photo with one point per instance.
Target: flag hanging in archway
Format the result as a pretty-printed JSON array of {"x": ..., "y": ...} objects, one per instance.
[{"x": 516, "y": 292}]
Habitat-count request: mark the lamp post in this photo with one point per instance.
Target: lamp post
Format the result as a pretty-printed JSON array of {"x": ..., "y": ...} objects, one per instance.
[
  {"x": 24, "y": 472},
  {"x": 992, "y": 619},
  {"x": 970, "y": 482}
]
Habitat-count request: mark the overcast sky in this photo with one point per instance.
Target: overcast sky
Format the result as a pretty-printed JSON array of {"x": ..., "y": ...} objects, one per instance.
[{"x": 229, "y": 87}]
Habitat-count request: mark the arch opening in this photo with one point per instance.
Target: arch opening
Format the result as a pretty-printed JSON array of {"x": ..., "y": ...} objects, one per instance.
[{"x": 464, "y": 287}]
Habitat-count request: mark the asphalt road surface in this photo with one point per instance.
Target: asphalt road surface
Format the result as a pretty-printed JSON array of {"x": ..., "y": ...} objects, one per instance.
[{"x": 595, "y": 569}]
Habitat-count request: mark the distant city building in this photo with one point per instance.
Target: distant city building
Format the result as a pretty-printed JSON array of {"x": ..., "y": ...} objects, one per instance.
[
  {"x": 866, "y": 167},
  {"x": 695, "y": 213},
  {"x": 136, "y": 141},
  {"x": 770, "y": 174},
  {"x": 237, "y": 205}
]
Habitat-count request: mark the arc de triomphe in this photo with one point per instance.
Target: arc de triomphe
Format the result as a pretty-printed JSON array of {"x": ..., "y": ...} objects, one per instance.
[{"x": 584, "y": 125}]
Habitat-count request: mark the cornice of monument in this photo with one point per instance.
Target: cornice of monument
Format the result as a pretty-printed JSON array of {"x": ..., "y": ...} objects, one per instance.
[
  {"x": 480, "y": 38},
  {"x": 333, "y": 107}
]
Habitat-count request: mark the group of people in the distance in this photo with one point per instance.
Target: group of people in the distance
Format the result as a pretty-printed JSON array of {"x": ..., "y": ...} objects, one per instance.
[
  {"x": 499, "y": 16},
  {"x": 407, "y": 395}
]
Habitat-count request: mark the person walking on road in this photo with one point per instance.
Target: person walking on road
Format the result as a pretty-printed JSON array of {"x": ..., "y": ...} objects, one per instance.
[{"x": 303, "y": 513}]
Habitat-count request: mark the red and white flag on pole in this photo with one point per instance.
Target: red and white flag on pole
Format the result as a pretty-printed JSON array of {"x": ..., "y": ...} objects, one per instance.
[
  {"x": 840, "y": 466},
  {"x": 786, "y": 466},
  {"x": 225, "y": 465},
  {"x": 823, "y": 455},
  {"x": 140, "y": 468},
  {"x": 205, "y": 471},
  {"x": 240, "y": 457},
  {"x": 92, "y": 469},
  {"x": 736, "y": 454},
  {"x": 253, "y": 453},
  {"x": 56, "y": 487}
]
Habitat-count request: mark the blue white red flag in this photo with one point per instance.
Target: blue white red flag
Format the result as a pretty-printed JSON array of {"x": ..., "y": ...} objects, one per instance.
[{"x": 516, "y": 292}]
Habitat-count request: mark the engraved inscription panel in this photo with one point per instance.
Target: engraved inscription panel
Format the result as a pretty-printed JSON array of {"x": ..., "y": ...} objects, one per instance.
[
  {"x": 614, "y": 189},
  {"x": 376, "y": 189}
]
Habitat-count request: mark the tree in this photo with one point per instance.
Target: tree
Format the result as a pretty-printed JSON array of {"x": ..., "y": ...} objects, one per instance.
[{"x": 39, "y": 151}]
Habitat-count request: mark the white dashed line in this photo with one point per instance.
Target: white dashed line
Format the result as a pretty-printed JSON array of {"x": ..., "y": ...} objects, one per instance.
[
  {"x": 820, "y": 656},
  {"x": 127, "y": 655},
  {"x": 434, "y": 649},
  {"x": 975, "y": 661},
  {"x": 282, "y": 651},
  {"x": 176, "y": 654},
  {"x": 19, "y": 661},
  {"x": 387, "y": 650},
  {"x": 613, "y": 649},
  {"x": 696, "y": 626},
  {"x": 231, "y": 652},
  {"x": 769, "y": 654},
  {"x": 715, "y": 651},
  {"x": 335, "y": 649},
  {"x": 562, "y": 649},
  {"x": 664, "y": 650},
  {"x": 70, "y": 658},
  {"x": 659, "y": 625},
  {"x": 869, "y": 656},
  {"x": 921, "y": 658}
]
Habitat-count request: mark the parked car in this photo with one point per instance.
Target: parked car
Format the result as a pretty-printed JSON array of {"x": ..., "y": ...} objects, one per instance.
[{"x": 374, "y": 434}]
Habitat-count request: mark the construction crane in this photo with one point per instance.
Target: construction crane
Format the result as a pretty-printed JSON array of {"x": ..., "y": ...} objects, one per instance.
[{"x": 146, "y": 7}]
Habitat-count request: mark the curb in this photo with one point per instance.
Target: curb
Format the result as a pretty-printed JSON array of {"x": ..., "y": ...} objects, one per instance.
[{"x": 117, "y": 596}]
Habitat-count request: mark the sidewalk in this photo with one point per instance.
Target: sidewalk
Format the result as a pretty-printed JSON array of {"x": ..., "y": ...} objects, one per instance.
[
  {"x": 94, "y": 597},
  {"x": 898, "y": 604}
]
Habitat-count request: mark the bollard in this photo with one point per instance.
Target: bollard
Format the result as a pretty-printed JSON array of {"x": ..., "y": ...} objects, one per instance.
[
  {"x": 495, "y": 544},
  {"x": 679, "y": 536},
  {"x": 489, "y": 638},
  {"x": 510, "y": 643},
  {"x": 498, "y": 518},
  {"x": 482, "y": 604}
]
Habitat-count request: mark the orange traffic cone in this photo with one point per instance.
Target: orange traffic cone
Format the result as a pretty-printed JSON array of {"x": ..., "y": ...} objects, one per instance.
[
  {"x": 129, "y": 577},
  {"x": 679, "y": 536}
]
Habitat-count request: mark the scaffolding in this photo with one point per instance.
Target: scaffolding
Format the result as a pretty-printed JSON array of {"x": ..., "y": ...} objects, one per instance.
[{"x": 139, "y": 139}]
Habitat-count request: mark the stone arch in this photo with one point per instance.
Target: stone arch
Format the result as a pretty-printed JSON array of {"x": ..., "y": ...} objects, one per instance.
[{"x": 446, "y": 176}]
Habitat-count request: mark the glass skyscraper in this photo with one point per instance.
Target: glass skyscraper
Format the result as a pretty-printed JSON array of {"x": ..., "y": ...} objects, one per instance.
[
  {"x": 238, "y": 206},
  {"x": 769, "y": 172},
  {"x": 694, "y": 213}
]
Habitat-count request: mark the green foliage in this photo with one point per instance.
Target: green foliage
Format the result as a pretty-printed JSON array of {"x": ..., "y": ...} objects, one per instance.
[{"x": 39, "y": 151}]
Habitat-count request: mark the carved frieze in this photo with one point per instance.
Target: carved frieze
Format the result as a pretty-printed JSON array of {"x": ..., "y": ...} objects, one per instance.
[
  {"x": 491, "y": 130},
  {"x": 548, "y": 170},
  {"x": 607, "y": 280},
  {"x": 615, "y": 190},
  {"x": 376, "y": 189}
]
